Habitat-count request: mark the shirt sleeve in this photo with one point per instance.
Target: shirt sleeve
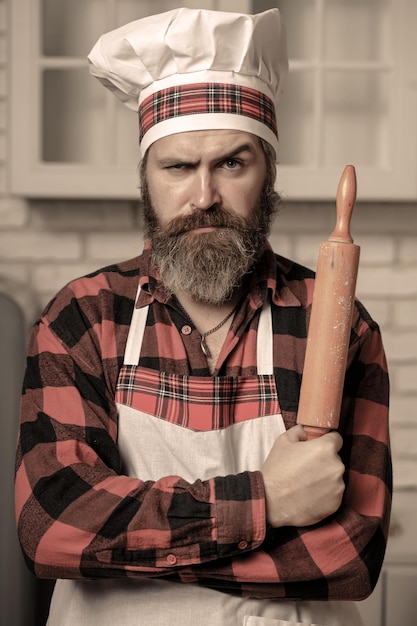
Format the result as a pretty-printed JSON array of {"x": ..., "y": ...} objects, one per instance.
[{"x": 77, "y": 515}]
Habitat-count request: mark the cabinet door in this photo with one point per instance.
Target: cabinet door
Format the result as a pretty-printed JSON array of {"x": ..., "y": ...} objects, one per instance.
[
  {"x": 371, "y": 608},
  {"x": 401, "y": 596},
  {"x": 351, "y": 97}
]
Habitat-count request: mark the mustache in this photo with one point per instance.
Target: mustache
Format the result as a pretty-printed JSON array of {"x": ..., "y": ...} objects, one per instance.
[{"x": 215, "y": 216}]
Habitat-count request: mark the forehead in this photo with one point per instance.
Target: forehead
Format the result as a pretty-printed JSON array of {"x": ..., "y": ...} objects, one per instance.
[{"x": 210, "y": 143}]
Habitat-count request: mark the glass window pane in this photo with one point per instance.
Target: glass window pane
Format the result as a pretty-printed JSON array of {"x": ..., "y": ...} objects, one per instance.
[
  {"x": 356, "y": 118},
  {"x": 126, "y": 146},
  {"x": 296, "y": 120},
  {"x": 130, "y": 10},
  {"x": 70, "y": 27},
  {"x": 299, "y": 20},
  {"x": 74, "y": 117},
  {"x": 82, "y": 123},
  {"x": 356, "y": 30}
]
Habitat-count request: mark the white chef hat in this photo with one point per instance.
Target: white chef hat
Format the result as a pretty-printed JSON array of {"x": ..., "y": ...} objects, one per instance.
[{"x": 194, "y": 69}]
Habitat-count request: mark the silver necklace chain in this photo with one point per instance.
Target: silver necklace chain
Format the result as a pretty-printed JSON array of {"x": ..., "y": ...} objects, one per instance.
[{"x": 204, "y": 347}]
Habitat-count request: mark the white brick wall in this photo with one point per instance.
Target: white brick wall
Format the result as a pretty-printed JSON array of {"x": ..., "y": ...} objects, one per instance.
[{"x": 45, "y": 244}]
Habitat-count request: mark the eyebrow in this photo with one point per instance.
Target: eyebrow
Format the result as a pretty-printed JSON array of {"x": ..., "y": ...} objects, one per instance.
[
  {"x": 245, "y": 147},
  {"x": 169, "y": 161}
]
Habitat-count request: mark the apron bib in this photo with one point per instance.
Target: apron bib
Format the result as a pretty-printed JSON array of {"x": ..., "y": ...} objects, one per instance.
[{"x": 196, "y": 428}]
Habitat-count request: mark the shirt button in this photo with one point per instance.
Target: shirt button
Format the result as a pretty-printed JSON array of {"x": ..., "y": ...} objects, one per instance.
[
  {"x": 171, "y": 559},
  {"x": 242, "y": 545},
  {"x": 186, "y": 330}
]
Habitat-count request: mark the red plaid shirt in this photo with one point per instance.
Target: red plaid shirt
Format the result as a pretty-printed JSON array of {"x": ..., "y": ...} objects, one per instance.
[{"x": 79, "y": 517}]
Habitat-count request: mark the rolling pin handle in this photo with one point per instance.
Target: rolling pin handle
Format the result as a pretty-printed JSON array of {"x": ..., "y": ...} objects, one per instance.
[{"x": 345, "y": 201}]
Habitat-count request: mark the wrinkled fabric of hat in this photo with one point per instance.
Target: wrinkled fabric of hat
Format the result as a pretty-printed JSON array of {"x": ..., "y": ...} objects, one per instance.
[{"x": 193, "y": 69}]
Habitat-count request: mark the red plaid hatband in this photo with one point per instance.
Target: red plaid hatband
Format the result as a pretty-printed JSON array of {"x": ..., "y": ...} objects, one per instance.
[{"x": 203, "y": 98}]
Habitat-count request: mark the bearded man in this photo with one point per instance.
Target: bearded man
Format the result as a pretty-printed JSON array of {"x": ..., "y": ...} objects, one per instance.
[{"x": 161, "y": 476}]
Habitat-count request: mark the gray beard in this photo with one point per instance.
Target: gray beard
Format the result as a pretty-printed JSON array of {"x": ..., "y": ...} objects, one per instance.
[{"x": 208, "y": 266}]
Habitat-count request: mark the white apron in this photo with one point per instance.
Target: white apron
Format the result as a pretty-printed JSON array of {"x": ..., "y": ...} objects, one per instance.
[{"x": 151, "y": 448}]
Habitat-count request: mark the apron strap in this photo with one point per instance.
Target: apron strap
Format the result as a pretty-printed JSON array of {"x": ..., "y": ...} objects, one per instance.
[
  {"x": 264, "y": 347},
  {"x": 136, "y": 331}
]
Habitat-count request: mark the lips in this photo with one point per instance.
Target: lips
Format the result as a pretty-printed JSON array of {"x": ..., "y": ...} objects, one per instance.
[{"x": 215, "y": 218}]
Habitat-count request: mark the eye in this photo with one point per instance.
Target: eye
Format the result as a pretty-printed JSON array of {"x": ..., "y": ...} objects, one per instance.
[
  {"x": 231, "y": 164},
  {"x": 174, "y": 163},
  {"x": 176, "y": 167}
]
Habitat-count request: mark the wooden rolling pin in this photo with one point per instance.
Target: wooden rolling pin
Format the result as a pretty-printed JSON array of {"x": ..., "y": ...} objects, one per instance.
[{"x": 331, "y": 319}]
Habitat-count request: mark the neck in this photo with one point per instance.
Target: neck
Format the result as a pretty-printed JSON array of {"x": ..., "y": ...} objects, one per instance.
[
  {"x": 212, "y": 322},
  {"x": 206, "y": 316}
]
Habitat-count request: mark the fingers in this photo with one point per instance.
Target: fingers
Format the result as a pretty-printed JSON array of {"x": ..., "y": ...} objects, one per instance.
[
  {"x": 303, "y": 478},
  {"x": 334, "y": 438},
  {"x": 297, "y": 433}
]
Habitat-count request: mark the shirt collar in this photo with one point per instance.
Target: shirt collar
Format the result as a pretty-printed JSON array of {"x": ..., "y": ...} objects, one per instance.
[{"x": 271, "y": 274}]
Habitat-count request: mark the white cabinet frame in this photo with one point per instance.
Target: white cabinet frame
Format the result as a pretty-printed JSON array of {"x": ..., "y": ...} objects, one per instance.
[{"x": 395, "y": 179}]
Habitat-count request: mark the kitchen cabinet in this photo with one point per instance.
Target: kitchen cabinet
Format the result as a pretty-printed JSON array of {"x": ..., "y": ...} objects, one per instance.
[{"x": 351, "y": 97}]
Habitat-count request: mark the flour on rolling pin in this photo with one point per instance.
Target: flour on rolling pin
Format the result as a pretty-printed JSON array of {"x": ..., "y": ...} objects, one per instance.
[{"x": 331, "y": 319}]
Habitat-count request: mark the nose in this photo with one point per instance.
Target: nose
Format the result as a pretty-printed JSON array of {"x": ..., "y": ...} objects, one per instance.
[{"x": 205, "y": 191}]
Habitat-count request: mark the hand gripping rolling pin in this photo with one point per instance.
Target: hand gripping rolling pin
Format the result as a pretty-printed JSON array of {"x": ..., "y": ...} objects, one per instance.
[{"x": 331, "y": 319}]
